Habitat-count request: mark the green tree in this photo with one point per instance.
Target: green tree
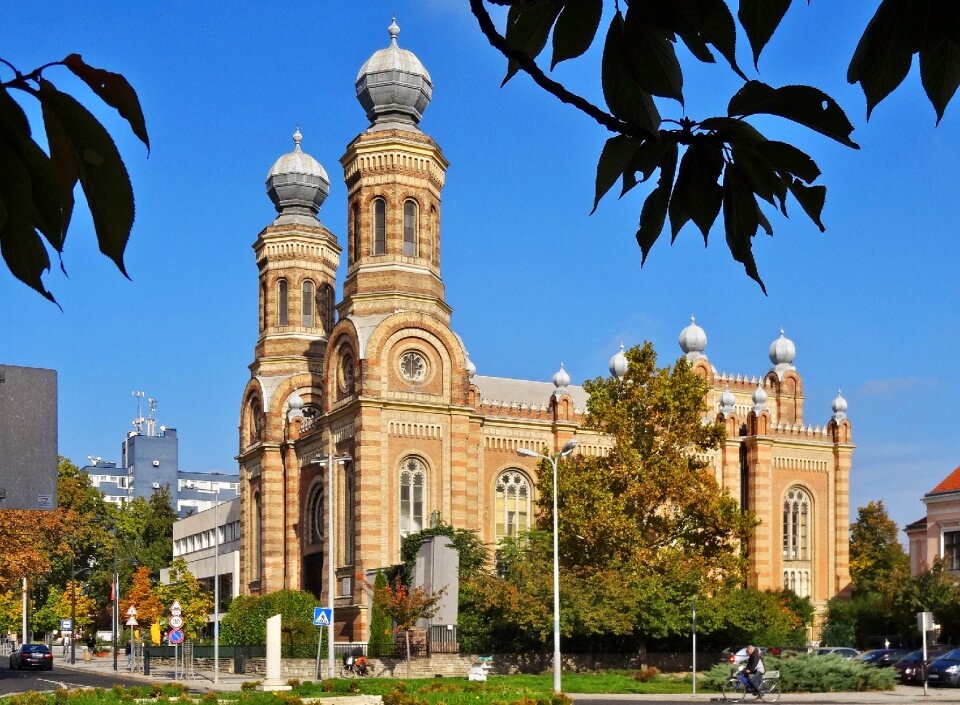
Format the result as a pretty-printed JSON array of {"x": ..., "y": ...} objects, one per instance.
[
  {"x": 721, "y": 163},
  {"x": 36, "y": 189},
  {"x": 245, "y": 622},
  {"x": 184, "y": 588},
  {"x": 876, "y": 555},
  {"x": 405, "y": 606},
  {"x": 381, "y": 628},
  {"x": 144, "y": 530}
]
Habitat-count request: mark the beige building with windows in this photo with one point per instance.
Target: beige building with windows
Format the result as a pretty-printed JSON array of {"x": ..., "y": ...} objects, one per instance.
[
  {"x": 937, "y": 535},
  {"x": 381, "y": 378}
]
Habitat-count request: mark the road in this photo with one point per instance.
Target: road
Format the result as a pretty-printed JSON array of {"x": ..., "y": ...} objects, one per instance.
[{"x": 21, "y": 681}]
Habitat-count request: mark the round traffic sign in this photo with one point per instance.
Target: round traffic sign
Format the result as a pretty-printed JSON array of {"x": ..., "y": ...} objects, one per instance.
[
  {"x": 176, "y": 621},
  {"x": 175, "y": 636}
]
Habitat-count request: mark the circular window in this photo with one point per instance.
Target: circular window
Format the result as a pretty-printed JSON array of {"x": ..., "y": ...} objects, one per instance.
[
  {"x": 413, "y": 367},
  {"x": 345, "y": 374}
]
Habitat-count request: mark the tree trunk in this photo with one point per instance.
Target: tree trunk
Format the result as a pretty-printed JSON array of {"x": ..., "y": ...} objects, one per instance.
[{"x": 406, "y": 637}]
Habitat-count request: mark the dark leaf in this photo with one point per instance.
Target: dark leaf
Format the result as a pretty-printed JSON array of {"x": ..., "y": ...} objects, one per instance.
[
  {"x": 115, "y": 91},
  {"x": 21, "y": 247},
  {"x": 614, "y": 160},
  {"x": 48, "y": 209},
  {"x": 576, "y": 29},
  {"x": 624, "y": 97},
  {"x": 646, "y": 161},
  {"x": 940, "y": 73},
  {"x": 884, "y": 53},
  {"x": 761, "y": 175},
  {"x": 764, "y": 223},
  {"x": 740, "y": 220},
  {"x": 760, "y": 19},
  {"x": 651, "y": 58},
  {"x": 787, "y": 159},
  {"x": 63, "y": 161},
  {"x": 811, "y": 199},
  {"x": 528, "y": 26},
  {"x": 733, "y": 130},
  {"x": 654, "y": 211},
  {"x": 103, "y": 175},
  {"x": 697, "y": 195},
  {"x": 803, "y": 104},
  {"x": 717, "y": 27}
]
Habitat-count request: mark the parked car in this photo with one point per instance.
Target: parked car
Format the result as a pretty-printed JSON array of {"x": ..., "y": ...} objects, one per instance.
[
  {"x": 882, "y": 658},
  {"x": 32, "y": 656},
  {"x": 740, "y": 655},
  {"x": 910, "y": 668},
  {"x": 945, "y": 669},
  {"x": 841, "y": 651}
]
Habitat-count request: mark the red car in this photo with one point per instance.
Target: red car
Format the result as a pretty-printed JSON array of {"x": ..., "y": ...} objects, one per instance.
[{"x": 32, "y": 656}]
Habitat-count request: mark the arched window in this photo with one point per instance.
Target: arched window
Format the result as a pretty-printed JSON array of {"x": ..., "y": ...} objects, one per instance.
[
  {"x": 355, "y": 253},
  {"x": 512, "y": 504},
  {"x": 263, "y": 306},
  {"x": 256, "y": 421},
  {"x": 413, "y": 481},
  {"x": 379, "y": 227},
  {"x": 410, "y": 229},
  {"x": 308, "y": 301},
  {"x": 797, "y": 541},
  {"x": 349, "y": 498},
  {"x": 325, "y": 306},
  {"x": 282, "y": 303},
  {"x": 314, "y": 515},
  {"x": 796, "y": 525},
  {"x": 257, "y": 543}
]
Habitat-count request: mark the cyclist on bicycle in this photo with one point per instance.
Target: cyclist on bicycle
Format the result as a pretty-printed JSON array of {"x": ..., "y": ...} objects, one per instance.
[{"x": 754, "y": 669}]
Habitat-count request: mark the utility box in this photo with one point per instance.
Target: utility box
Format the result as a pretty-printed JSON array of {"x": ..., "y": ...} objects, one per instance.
[{"x": 28, "y": 438}]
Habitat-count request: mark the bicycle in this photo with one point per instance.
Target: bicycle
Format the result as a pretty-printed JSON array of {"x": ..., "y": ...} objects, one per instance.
[
  {"x": 352, "y": 669},
  {"x": 739, "y": 686}
]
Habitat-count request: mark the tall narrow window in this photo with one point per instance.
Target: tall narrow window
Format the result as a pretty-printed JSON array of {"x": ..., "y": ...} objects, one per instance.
[
  {"x": 512, "y": 504},
  {"x": 315, "y": 515},
  {"x": 355, "y": 250},
  {"x": 282, "y": 318},
  {"x": 307, "y": 313},
  {"x": 349, "y": 498},
  {"x": 257, "y": 543},
  {"x": 797, "y": 539},
  {"x": 379, "y": 227},
  {"x": 263, "y": 306},
  {"x": 951, "y": 550},
  {"x": 325, "y": 306},
  {"x": 410, "y": 228},
  {"x": 412, "y": 493}
]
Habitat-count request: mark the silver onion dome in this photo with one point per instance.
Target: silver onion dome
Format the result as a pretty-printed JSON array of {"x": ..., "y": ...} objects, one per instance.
[
  {"x": 393, "y": 85},
  {"x": 471, "y": 368},
  {"x": 727, "y": 402},
  {"x": 759, "y": 398},
  {"x": 839, "y": 407},
  {"x": 693, "y": 341},
  {"x": 618, "y": 364},
  {"x": 782, "y": 353},
  {"x": 298, "y": 185},
  {"x": 560, "y": 380}
]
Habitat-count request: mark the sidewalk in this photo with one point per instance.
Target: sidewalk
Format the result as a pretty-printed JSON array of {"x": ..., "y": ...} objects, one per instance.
[{"x": 203, "y": 682}]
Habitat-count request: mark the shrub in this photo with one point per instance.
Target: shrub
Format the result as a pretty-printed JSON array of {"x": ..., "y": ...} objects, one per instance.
[
  {"x": 249, "y": 685},
  {"x": 646, "y": 674},
  {"x": 294, "y": 682},
  {"x": 814, "y": 674}
]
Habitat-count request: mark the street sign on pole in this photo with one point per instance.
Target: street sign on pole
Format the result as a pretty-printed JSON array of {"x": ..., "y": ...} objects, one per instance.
[
  {"x": 132, "y": 612},
  {"x": 176, "y": 621},
  {"x": 132, "y": 622},
  {"x": 175, "y": 636},
  {"x": 66, "y": 625},
  {"x": 321, "y": 616}
]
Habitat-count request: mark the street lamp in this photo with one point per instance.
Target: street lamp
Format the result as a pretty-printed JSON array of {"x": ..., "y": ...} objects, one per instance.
[
  {"x": 216, "y": 581},
  {"x": 329, "y": 460},
  {"x": 565, "y": 451},
  {"x": 73, "y": 608}
]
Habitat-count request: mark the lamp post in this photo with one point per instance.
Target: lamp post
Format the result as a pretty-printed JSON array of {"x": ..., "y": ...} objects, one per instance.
[
  {"x": 73, "y": 608},
  {"x": 216, "y": 581},
  {"x": 553, "y": 459},
  {"x": 329, "y": 460}
]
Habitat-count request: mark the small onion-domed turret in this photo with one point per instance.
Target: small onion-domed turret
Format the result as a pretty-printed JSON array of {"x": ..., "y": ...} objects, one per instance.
[
  {"x": 693, "y": 341},
  {"x": 560, "y": 380},
  {"x": 759, "y": 398},
  {"x": 618, "y": 364},
  {"x": 393, "y": 86},
  {"x": 839, "y": 408},
  {"x": 727, "y": 401},
  {"x": 782, "y": 353},
  {"x": 298, "y": 185},
  {"x": 471, "y": 368}
]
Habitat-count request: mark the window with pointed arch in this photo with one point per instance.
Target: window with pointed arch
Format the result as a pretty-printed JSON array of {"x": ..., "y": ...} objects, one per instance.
[
  {"x": 379, "y": 226},
  {"x": 257, "y": 538},
  {"x": 355, "y": 250},
  {"x": 796, "y": 525},
  {"x": 282, "y": 303},
  {"x": 325, "y": 305},
  {"x": 255, "y": 422},
  {"x": 413, "y": 490},
  {"x": 410, "y": 228},
  {"x": 512, "y": 504},
  {"x": 314, "y": 515},
  {"x": 306, "y": 312}
]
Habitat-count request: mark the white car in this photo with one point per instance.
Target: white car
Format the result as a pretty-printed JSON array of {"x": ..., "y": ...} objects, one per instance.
[{"x": 741, "y": 655}]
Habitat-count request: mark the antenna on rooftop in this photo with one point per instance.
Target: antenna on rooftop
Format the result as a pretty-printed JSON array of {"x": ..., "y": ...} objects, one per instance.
[
  {"x": 152, "y": 420},
  {"x": 138, "y": 422}
]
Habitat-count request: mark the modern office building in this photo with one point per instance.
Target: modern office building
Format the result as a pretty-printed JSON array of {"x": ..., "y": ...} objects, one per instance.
[
  {"x": 380, "y": 380},
  {"x": 150, "y": 460}
]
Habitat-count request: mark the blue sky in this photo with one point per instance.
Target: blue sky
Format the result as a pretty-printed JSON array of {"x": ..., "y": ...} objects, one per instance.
[{"x": 532, "y": 277}]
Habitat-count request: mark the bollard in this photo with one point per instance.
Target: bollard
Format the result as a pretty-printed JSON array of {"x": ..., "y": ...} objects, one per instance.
[{"x": 146, "y": 662}]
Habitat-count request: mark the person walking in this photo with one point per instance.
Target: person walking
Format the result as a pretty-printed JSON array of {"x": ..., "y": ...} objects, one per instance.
[{"x": 128, "y": 650}]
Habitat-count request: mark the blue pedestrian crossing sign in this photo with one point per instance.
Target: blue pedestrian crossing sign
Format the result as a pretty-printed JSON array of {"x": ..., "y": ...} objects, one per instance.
[{"x": 322, "y": 616}]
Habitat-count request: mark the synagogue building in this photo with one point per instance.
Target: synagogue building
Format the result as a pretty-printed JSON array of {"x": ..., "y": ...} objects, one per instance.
[{"x": 373, "y": 388}]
